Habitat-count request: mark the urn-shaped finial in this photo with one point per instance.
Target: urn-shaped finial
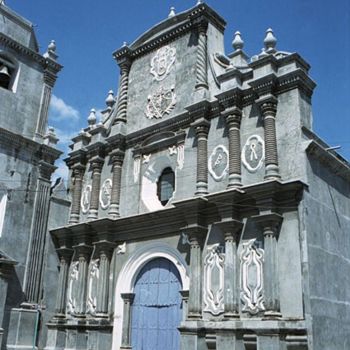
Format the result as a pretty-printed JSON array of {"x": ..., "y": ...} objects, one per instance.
[
  {"x": 110, "y": 99},
  {"x": 270, "y": 41},
  {"x": 237, "y": 42},
  {"x": 92, "y": 117},
  {"x": 172, "y": 12}
]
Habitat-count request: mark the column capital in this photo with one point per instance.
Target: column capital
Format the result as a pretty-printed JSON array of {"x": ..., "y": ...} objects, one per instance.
[
  {"x": 128, "y": 297},
  {"x": 96, "y": 163},
  {"x": 201, "y": 126},
  {"x": 83, "y": 250},
  {"x": 233, "y": 112},
  {"x": 65, "y": 252},
  {"x": 104, "y": 246},
  {"x": 270, "y": 223},
  {"x": 117, "y": 157},
  {"x": 231, "y": 228},
  {"x": 268, "y": 105}
]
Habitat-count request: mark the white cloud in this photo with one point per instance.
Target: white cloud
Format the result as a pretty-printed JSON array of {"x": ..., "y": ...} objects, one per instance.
[{"x": 60, "y": 110}]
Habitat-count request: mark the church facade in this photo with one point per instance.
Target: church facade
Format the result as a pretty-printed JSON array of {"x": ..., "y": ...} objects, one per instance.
[{"x": 205, "y": 212}]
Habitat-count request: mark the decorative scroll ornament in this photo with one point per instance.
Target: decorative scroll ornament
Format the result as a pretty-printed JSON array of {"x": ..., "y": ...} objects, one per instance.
[
  {"x": 218, "y": 163},
  {"x": 72, "y": 287},
  {"x": 253, "y": 153},
  {"x": 137, "y": 167},
  {"x": 94, "y": 275},
  {"x": 160, "y": 103},
  {"x": 105, "y": 194},
  {"x": 214, "y": 281},
  {"x": 180, "y": 156},
  {"x": 172, "y": 150},
  {"x": 85, "y": 199},
  {"x": 252, "y": 259},
  {"x": 121, "y": 249},
  {"x": 162, "y": 62},
  {"x": 146, "y": 158}
]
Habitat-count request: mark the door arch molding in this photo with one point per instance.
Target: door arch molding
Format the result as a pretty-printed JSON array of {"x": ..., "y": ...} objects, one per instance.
[{"x": 129, "y": 272}]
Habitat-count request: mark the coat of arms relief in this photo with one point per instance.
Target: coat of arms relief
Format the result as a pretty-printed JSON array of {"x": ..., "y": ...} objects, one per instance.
[{"x": 162, "y": 101}]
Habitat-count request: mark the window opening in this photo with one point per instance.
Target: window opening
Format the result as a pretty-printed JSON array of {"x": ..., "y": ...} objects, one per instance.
[
  {"x": 166, "y": 185},
  {"x": 7, "y": 70}
]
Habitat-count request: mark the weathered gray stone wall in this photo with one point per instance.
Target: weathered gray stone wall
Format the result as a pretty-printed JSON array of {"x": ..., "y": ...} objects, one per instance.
[{"x": 326, "y": 209}]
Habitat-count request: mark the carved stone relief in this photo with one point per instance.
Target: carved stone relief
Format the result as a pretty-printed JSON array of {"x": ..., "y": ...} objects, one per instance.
[
  {"x": 162, "y": 62},
  {"x": 94, "y": 274},
  {"x": 85, "y": 199},
  {"x": 160, "y": 103},
  {"x": 214, "y": 280},
  {"x": 253, "y": 153},
  {"x": 252, "y": 259},
  {"x": 121, "y": 249},
  {"x": 218, "y": 163},
  {"x": 72, "y": 287},
  {"x": 137, "y": 167},
  {"x": 105, "y": 194},
  {"x": 180, "y": 152}
]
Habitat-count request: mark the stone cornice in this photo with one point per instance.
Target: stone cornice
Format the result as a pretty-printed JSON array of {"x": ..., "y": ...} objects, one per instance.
[
  {"x": 44, "y": 62},
  {"x": 230, "y": 98},
  {"x": 191, "y": 212},
  {"x": 169, "y": 30}
]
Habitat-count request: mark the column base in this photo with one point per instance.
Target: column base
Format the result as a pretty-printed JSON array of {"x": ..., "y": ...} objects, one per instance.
[
  {"x": 201, "y": 189},
  {"x": 270, "y": 314},
  {"x": 272, "y": 172},
  {"x": 125, "y": 347},
  {"x": 234, "y": 180},
  {"x": 114, "y": 211},
  {"x": 73, "y": 219},
  {"x": 93, "y": 214},
  {"x": 228, "y": 315}
]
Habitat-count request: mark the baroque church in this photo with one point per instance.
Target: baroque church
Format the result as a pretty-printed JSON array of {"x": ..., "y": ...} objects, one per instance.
[{"x": 202, "y": 212}]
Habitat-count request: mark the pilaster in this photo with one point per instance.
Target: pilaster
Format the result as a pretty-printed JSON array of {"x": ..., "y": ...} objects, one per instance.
[
  {"x": 117, "y": 161},
  {"x": 78, "y": 173},
  {"x": 96, "y": 165},
  {"x": 126, "y": 332}
]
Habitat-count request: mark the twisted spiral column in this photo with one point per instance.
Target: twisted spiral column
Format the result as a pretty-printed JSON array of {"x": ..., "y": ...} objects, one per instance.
[
  {"x": 95, "y": 189},
  {"x": 269, "y": 109},
  {"x": 233, "y": 122},
  {"x": 117, "y": 161},
  {"x": 78, "y": 173},
  {"x": 123, "y": 92},
  {"x": 201, "y": 64},
  {"x": 202, "y": 131}
]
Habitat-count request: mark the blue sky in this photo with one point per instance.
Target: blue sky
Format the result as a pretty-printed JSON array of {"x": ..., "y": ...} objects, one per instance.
[{"x": 87, "y": 32}]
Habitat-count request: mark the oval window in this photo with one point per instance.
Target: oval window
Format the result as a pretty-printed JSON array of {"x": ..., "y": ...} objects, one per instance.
[{"x": 166, "y": 185}]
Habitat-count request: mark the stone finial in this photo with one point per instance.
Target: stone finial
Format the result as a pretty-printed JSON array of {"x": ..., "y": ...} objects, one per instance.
[
  {"x": 110, "y": 99},
  {"x": 237, "y": 42},
  {"x": 50, "y": 138},
  {"x": 199, "y": 2},
  {"x": 125, "y": 43},
  {"x": 51, "y": 51},
  {"x": 92, "y": 118},
  {"x": 270, "y": 41},
  {"x": 2, "y": 2},
  {"x": 172, "y": 12}
]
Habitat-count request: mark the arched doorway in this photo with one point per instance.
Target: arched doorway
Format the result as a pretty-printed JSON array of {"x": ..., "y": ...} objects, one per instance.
[{"x": 157, "y": 309}]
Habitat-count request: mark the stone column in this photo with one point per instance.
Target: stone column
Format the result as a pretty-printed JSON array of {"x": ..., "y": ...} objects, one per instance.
[
  {"x": 117, "y": 160},
  {"x": 268, "y": 108},
  {"x": 95, "y": 188},
  {"x": 232, "y": 231},
  {"x": 105, "y": 252},
  {"x": 65, "y": 257},
  {"x": 270, "y": 224},
  {"x": 78, "y": 174},
  {"x": 123, "y": 91},
  {"x": 195, "y": 292},
  {"x": 83, "y": 252},
  {"x": 201, "y": 64},
  {"x": 126, "y": 332},
  {"x": 202, "y": 130},
  {"x": 233, "y": 122}
]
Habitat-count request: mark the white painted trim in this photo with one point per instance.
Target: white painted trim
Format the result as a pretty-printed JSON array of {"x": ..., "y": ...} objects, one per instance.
[{"x": 131, "y": 269}]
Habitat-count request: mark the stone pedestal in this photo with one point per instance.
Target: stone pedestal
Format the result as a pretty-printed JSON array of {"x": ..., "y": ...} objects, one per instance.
[{"x": 23, "y": 329}]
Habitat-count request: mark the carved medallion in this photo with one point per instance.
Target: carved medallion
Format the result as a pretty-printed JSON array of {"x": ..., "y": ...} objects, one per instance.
[
  {"x": 94, "y": 275},
  {"x": 85, "y": 199},
  {"x": 214, "y": 281},
  {"x": 218, "y": 163},
  {"x": 160, "y": 103},
  {"x": 252, "y": 259},
  {"x": 253, "y": 153},
  {"x": 105, "y": 194},
  {"x": 72, "y": 287},
  {"x": 162, "y": 62}
]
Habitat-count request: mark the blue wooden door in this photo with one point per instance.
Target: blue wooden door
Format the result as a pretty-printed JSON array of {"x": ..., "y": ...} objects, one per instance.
[{"x": 156, "y": 310}]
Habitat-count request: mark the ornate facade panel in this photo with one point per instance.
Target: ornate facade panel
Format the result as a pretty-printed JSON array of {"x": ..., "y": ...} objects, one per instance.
[
  {"x": 162, "y": 62},
  {"x": 252, "y": 259},
  {"x": 218, "y": 163},
  {"x": 93, "y": 280},
  {"x": 85, "y": 199},
  {"x": 72, "y": 287},
  {"x": 105, "y": 194},
  {"x": 161, "y": 102},
  {"x": 214, "y": 281},
  {"x": 253, "y": 153},
  {"x": 180, "y": 156}
]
